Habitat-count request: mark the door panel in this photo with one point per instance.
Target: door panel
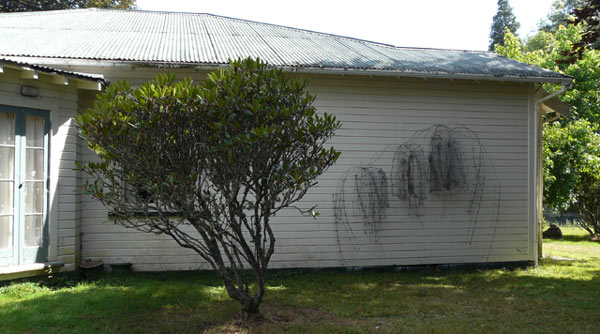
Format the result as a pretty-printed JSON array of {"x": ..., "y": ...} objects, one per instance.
[
  {"x": 7, "y": 128},
  {"x": 6, "y": 232},
  {"x": 7, "y": 188},
  {"x": 32, "y": 187},
  {"x": 23, "y": 185}
]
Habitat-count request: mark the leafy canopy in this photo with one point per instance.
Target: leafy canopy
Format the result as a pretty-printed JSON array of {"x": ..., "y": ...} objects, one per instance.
[
  {"x": 572, "y": 170},
  {"x": 560, "y": 14},
  {"x": 37, "y": 5},
  {"x": 545, "y": 50},
  {"x": 571, "y": 156},
  {"x": 570, "y": 146},
  {"x": 586, "y": 14}
]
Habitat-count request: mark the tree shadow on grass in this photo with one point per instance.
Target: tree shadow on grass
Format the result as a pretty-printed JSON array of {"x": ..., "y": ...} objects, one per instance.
[
  {"x": 329, "y": 301},
  {"x": 132, "y": 303},
  {"x": 458, "y": 300},
  {"x": 577, "y": 237}
]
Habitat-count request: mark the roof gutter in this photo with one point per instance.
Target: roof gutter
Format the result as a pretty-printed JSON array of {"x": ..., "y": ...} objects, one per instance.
[
  {"x": 434, "y": 75},
  {"x": 58, "y": 76},
  {"x": 76, "y": 62}
]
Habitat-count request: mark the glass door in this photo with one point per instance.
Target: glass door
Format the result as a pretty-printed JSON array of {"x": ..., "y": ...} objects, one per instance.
[
  {"x": 7, "y": 187},
  {"x": 23, "y": 185}
]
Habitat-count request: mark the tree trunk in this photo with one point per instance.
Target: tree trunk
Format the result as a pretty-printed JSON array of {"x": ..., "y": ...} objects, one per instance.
[
  {"x": 596, "y": 234},
  {"x": 249, "y": 305},
  {"x": 250, "y": 311}
]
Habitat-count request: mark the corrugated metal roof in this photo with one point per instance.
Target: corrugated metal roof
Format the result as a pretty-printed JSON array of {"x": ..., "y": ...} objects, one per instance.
[
  {"x": 185, "y": 38},
  {"x": 51, "y": 70}
]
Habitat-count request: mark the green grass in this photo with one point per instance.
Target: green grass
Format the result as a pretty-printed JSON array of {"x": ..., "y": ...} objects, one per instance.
[{"x": 560, "y": 296}]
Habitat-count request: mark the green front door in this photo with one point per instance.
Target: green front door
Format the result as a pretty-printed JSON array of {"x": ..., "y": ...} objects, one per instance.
[{"x": 23, "y": 185}]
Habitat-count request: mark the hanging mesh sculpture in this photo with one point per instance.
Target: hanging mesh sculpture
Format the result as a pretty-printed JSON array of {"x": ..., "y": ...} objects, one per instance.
[
  {"x": 454, "y": 161},
  {"x": 369, "y": 196},
  {"x": 409, "y": 174},
  {"x": 446, "y": 161},
  {"x": 436, "y": 163}
]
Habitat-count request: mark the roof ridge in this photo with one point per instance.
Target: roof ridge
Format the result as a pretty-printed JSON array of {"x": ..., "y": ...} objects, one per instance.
[
  {"x": 337, "y": 35},
  {"x": 319, "y": 33}
]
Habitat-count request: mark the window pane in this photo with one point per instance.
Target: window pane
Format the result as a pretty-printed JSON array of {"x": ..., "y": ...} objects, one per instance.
[
  {"x": 5, "y": 232},
  {"x": 7, "y": 128},
  {"x": 6, "y": 197},
  {"x": 33, "y": 231},
  {"x": 7, "y": 162},
  {"x": 34, "y": 164},
  {"x": 34, "y": 197},
  {"x": 34, "y": 131}
]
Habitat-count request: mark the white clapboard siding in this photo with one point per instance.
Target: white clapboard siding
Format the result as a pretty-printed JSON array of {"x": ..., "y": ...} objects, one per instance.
[
  {"x": 376, "y": 113},
  {"x": 63, "y": 211}
]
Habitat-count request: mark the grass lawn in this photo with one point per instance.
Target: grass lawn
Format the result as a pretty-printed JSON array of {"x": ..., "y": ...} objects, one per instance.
[{"x": 560, "y": 296}]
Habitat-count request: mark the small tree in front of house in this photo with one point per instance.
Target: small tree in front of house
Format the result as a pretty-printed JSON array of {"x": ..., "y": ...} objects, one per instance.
[{"x": 210, "y": 164}]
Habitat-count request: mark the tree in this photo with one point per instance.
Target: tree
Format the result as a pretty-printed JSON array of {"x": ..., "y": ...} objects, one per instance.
[
  {"x": 502, "y": 21},
  {"x": 36, "y": 5},
  {"x": 572, "y": 171},
  {"x": 560, "y": 14},
  {"x": 210, "y": 164},
  {"x": 589, "y": 16},
  {"x": 584, "y": 96},
  {"x": 571, "y": 147}
]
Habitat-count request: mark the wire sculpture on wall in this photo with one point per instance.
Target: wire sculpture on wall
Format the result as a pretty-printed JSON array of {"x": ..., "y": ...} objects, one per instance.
[
  {"x": 440, "y": 163},
  {"x": 370, "y": 196},
  {"x": 409, "y": 174},
  {"x": 446, "y": 160}
]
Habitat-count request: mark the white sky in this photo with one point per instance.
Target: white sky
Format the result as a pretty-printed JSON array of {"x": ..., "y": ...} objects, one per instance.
[{"x": 450, "y": 24}]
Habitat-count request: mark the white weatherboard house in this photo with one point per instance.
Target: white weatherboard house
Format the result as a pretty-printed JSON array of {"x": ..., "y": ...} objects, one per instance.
[{"x": 440, "y": 148}]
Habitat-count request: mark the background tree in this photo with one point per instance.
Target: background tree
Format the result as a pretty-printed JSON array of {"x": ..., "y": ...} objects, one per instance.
[
  {"x": 560, "y": 14},
  {"x": 572, "y": 171},
  {"x": 36, "y": 5},
  {"x": 571, "y": 145},
  {"x": 503, "y": 20},
  {"x": 588, "y": 15},
  {"x": 584, "y": 96},
  {"x": 210, "y": 164}
]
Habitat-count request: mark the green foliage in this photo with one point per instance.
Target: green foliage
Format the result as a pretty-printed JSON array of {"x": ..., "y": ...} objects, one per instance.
[
  {"x": 221, "y": 157},
  {"x": 572, "y": 159},
  {"x": 546, "y": 50},
  {"x": 571, "y": 147},
  {"x": 29, "y": 6},
  {"x": 560, "y": 14},
  {"x": 503, "y": 21},
  {"x": 572, "y": 171},
  {"x": 587, "y": 15}
]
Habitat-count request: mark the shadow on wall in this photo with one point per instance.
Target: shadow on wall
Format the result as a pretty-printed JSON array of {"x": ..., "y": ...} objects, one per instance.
[{"x": 440, "y": 173}]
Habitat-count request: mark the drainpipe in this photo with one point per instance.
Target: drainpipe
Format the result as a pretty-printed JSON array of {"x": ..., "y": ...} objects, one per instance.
[{"x": 539, "y": 167}]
